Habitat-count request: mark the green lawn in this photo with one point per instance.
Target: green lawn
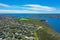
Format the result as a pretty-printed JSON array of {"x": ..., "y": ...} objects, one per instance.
[{"x": 35, "y": 36}]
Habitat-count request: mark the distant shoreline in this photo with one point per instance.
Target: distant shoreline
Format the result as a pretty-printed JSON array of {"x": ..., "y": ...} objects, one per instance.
[{"x": 48, "y": 15}]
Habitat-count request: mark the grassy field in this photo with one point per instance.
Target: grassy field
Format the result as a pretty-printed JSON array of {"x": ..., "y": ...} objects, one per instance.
[{"x": 35, "y": 36}]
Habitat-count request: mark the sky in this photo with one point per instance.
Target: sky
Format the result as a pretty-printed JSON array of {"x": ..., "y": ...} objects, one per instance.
[{"x": 29, "y": 6}]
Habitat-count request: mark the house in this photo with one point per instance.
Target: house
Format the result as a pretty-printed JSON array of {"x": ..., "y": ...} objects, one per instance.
[{"x": 29, "y": 38}]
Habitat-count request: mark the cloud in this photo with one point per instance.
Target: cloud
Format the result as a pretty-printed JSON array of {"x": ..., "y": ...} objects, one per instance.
[
  {"x": 40, "y": 7},
  {"x": 17, "y": 11},
  {"x": 4, "y": 5},
  {"x": 28, "y": 8}
]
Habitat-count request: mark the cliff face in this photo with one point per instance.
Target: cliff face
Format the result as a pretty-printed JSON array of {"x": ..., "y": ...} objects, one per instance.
[{"x": 20, "y": 28}]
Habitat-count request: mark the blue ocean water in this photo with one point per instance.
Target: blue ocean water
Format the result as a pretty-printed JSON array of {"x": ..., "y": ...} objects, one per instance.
[
  {"x": 52, "y": 21},
  {"x": 55, "y": 23}
]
